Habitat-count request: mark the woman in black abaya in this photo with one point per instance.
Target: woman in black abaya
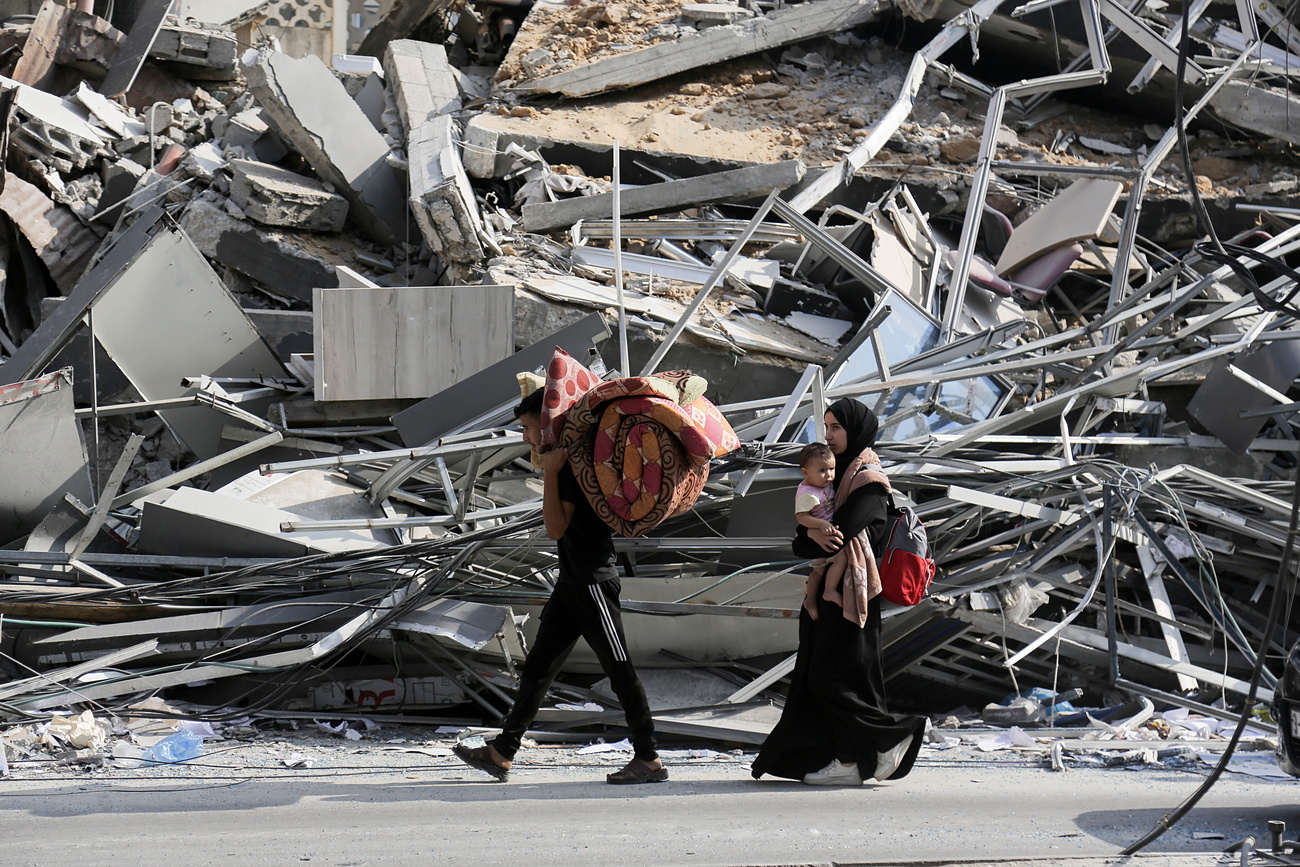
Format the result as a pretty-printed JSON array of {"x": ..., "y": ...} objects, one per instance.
[{"x": 835, "y": 729}]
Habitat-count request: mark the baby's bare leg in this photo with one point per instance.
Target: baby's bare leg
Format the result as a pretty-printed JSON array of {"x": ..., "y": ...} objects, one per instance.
[
  {"x": 832, "y": 581},
  {"x": 813, "y": 590}
]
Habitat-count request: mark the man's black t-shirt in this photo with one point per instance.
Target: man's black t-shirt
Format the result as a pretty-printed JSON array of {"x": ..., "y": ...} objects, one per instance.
[{"x": 587, "y": 546}]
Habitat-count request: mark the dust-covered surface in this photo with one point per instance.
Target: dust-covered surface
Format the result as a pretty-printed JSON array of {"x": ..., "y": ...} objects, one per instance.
[
  {"x": 821, "y": 98},
  {"x": 394, "y": 795}
]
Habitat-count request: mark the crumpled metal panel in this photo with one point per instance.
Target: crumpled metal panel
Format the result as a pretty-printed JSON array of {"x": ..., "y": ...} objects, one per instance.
[{"x": 42, "y": 454}]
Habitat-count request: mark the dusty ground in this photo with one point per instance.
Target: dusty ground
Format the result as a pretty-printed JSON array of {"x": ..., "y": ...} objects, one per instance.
[{"x": 818, "y": 101}]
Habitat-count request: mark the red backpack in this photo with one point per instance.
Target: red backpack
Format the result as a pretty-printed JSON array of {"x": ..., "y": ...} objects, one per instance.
[{"x": 906, "y": 565}]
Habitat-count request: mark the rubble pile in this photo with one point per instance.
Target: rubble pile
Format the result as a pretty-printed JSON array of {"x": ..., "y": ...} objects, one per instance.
[{"x": 261, "y": 319}]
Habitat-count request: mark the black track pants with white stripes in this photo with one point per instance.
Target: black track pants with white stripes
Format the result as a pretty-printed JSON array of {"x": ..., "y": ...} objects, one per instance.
[{"x": 590, "y": 611}]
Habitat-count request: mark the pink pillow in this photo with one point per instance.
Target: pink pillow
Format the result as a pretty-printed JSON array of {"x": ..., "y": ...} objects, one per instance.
[{"x": 566, "y": 382}]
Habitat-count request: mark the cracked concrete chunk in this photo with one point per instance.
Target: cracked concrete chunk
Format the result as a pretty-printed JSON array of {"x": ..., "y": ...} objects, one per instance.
[
  {"x": 313, "y": 112},
  {"x": 278, "y": 197},
  {"x": 283, "y": 267}
]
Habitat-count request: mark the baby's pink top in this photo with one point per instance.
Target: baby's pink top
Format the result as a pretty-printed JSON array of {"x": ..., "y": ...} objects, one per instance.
[{"x": 819, "y": 501}]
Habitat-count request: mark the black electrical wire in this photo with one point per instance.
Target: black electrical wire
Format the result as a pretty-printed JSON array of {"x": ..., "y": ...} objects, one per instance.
[{"x": 1280, "y": 592}]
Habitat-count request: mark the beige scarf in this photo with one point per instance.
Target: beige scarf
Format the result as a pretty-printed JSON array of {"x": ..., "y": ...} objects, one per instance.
[{"x": 861, "y": 581}]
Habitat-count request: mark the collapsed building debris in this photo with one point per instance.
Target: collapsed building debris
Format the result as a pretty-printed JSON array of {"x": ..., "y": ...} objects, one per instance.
[{"x": 297, "y": 299}]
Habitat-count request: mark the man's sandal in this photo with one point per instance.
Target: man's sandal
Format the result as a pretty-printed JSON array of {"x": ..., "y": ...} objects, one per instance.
[
  {"x": 637, "y": 771},
  {"x": 480, "y": 758}
]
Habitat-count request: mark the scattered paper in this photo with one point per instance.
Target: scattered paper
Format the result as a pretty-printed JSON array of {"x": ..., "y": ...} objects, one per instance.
[
  {"x": 623, "y": 746},
  {"x": 1012, "y": 737}
]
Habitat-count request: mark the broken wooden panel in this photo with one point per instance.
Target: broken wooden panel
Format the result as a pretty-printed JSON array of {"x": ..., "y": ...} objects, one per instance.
[
  {"x": 495, "y": 385},
  {"x": 1078, "y": 213},
  {"x": 792, "y": 23},
  {"x": 42, "y": 455},
  {"x": 407, "y": 342}
]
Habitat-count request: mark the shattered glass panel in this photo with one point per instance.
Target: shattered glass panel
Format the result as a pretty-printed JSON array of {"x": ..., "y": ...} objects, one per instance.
[{"x": 907, "y": 413}]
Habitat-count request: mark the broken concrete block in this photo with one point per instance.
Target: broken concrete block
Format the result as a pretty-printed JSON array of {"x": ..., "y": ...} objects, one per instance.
[
  {"x": 421, "y": 81},
  {"x": 441, "y": 198},
  {"x": 196, "y": 51},
  {"x": 712, "y": 14},
  {"x": 735, "y": 185},
  {"x": 53, "y": 131},
  {"x": 278, "y": 197},
  {"x": 283, "y": 268},
  {"x": 314, "y": 113},
  {"x": 1269, "y": 111},
  {"x": 89, "y": 44},
  {"x": 712, "y": 45},
  {"x": 248, "y": 129},
  {"x": 61, "y": 240}
]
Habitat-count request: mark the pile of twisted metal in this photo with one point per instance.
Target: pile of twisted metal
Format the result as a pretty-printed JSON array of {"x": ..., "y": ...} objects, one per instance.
[{"x": 258, "y": 443}]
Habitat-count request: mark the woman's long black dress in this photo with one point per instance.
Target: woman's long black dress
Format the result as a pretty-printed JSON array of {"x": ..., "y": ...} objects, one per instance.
[{"x": 835, "y": 708}]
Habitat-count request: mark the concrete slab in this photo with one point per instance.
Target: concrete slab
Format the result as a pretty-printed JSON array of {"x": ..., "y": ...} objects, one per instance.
[
  {"x": 734, "y": 185},
  {"x": 249, "y": 130},
  {"x": 1269, "y": 111},
  {"x": 421, "y": 81},
  {"x": 488, "y": 136},
  {"x": 271, "y": 259},
  {"x": 713, "y": 45},
  {"x": 53, "y": 131},
  {"x": 278, "y": 197},
  {"x": 312, "y": 111},
  {"x": 196, "y": 51},
  {"x": 441, "y": 197}
]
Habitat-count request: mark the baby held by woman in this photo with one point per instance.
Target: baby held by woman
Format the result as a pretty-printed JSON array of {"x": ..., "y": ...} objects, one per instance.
[{"x": 814, "y": 508}]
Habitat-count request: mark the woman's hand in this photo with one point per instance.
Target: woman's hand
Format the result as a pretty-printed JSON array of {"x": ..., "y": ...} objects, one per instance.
[{"x": 829, "y": 540}]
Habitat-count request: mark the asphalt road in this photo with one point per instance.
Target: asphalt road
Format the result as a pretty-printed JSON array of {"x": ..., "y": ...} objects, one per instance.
[{"x": 360, "y": 805}]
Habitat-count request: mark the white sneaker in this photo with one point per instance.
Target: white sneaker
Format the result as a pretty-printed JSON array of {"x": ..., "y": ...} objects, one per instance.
[
  {"x": 834, "y": 774},
  {"x": 888, "y": 761}
]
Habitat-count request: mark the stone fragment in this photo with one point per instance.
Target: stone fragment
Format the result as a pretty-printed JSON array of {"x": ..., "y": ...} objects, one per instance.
[
  {"x": 278, "y": 197},
  {"x": 960, "y": 150},
  {"x": 248, "y": 129},
  {"x": 1216, "y": 168},
  {"x": 694, "y": 88},
  {"x": 197, "y": 51},
  {"x": 767, "y": 91}
]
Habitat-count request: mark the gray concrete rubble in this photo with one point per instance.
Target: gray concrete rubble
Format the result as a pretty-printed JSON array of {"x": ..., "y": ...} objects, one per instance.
[
  {"x": 276, "y": 197},
  {"x": 262, "y": 322}
]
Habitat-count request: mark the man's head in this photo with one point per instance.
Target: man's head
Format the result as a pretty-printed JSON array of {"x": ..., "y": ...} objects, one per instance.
[{"x": 529, "y": 414}]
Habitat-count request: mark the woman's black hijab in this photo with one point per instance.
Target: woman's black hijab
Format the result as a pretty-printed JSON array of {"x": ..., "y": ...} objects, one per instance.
[{"x": 860, "y": 426}]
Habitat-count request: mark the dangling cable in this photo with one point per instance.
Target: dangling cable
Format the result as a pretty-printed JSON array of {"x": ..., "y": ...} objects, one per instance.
[{"x": 1283, "y": 570}]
